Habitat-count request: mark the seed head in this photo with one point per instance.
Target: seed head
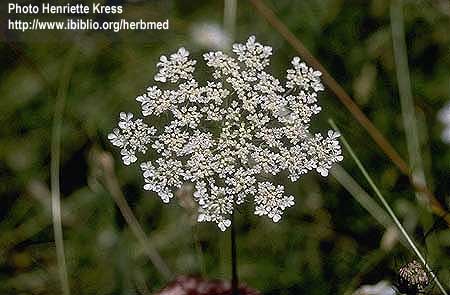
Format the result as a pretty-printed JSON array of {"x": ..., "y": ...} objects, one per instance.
[{"x": 412, "y": 276}]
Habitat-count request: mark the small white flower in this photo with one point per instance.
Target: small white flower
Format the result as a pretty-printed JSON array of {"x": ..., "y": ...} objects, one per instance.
[
  {"x": 303, "y": 76},
  {"x": 229, "y": 136},
  {"x": 116, "y": 138},
  {"x": 131, "y": 137},
  {"x": 178, "y": 66},
  {"x": 270, "y": 200},
  {"x": 128, "y": 157}
]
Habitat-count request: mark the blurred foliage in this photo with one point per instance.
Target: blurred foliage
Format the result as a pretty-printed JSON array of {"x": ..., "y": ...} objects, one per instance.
[{"x": 326, "y": 244}]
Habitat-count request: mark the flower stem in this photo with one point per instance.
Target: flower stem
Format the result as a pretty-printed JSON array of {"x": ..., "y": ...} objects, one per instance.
[
  {"x": 234, "y": 273},
  {"x": 112, "y": 185}
]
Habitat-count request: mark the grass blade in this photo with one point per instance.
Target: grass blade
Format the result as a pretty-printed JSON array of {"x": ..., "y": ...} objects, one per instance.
[
  {"x": 229, "y": 17},
  {"x": 55, "y": 167},
  {"x": 406, "y": 99},
  {"x": 111, "y": 184},
  {"x": 361, "y": 196},
  {"x": 389, "y": 209}
]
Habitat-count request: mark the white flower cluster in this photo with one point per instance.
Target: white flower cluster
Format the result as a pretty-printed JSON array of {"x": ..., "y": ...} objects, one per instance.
[
  {"x": 230, "y": 136},
  {"x": 131, "y": 137}
]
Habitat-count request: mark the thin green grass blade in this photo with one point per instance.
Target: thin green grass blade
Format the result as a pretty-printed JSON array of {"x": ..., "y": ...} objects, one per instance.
[
  {"x": 55, "y": 167},
  {"x": 406, "y": 98},
  {"x": 388, "y": 208}
]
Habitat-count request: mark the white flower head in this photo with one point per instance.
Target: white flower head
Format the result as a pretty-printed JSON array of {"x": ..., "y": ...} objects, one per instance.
[{"x": 231, "y": 135}]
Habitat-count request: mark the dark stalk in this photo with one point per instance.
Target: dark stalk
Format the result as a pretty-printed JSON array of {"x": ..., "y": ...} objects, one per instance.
[{"x": 234, "y": 273}]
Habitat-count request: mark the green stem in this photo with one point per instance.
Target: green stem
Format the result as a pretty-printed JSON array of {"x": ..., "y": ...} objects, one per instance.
[
  {"x": 406, "y": 98},
  {"x": 234, "y": 273},
  {"x": 229, "y": 23},
  {"x": 229, "y": 18},
  {"x": 112, "y": 185},
  {"x": 55, "y": 167}
]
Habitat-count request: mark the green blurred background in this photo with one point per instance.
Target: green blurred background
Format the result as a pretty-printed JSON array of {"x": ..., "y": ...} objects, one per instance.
[{"x": 326, "y": 244}]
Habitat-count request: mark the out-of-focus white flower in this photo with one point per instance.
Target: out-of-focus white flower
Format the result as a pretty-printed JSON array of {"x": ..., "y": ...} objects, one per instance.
[
  {"x": 444, "y": 114},
  {"x": 444, "y": 117},
  {"x": 230, "y": 135},
  {"x": 209, "y": 35},
  {"x": 446, "y": 135},
  {"x": 107, "y": 238},
  {"x": 381, "y": 288}
]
